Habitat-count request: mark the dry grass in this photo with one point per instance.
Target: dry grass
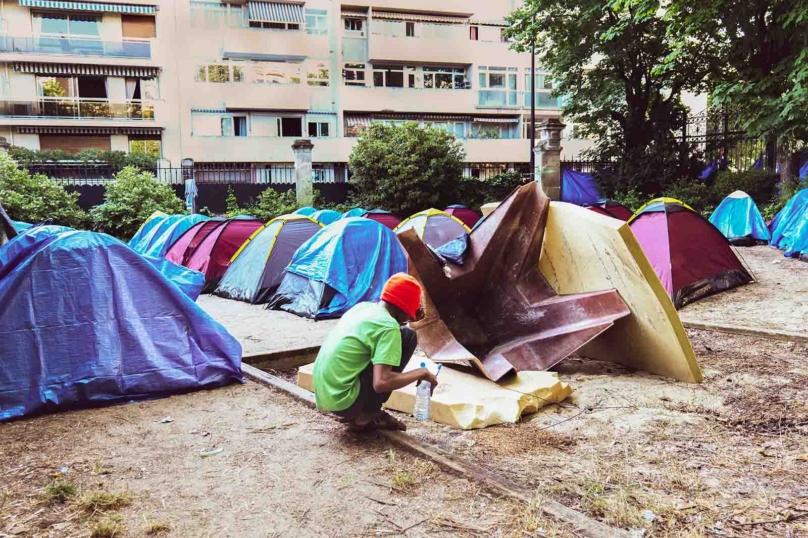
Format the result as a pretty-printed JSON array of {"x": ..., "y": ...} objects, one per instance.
[
  {"x": 407, "y": 476},
  {"x": 60, "y": 492},
  {"x": 101, "y": 501},
  {"x": 158, "y": 528},
  {"x": 111, "y": 527}
]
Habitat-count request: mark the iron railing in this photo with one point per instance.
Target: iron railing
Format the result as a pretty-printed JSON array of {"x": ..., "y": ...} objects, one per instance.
[
  {"x": 486, "y": 171},
  {"x": 588, "y": 166},
  {"x": 77, "y": 108},
  {"x": 75, "y": 46}
]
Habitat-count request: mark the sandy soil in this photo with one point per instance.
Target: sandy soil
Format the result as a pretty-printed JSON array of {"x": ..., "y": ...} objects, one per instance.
[
  {"x": 283, "y": 470},
  {"x": 775, "y": 302},
  {"x": 261, "y": 330}
]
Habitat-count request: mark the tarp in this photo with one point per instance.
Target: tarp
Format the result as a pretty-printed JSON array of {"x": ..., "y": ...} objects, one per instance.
[
  {"x": 467, "y": 216},
  {"x": 326, "y": 216},
  {"x": 20, "y": 226},
  {"x": 738, "y": 218},
  {"x": 798, "y": 237},
  {"x": 147, "y": 225},
  {"x": 758, "y": 164},
  {"x": 434, "y": 227},
  {"x": 85, "y": 320},
  {"x": 306, "y": 211},
  {"x": 804, "y": 171},
  {"x": 709, "y": 170},
  {"x": 151, "y": 230},
  {"x": 257, "y": 267},
  {"x": 342, "y": 265},
  {"x": 164, "y": 235},
  {"x": 782, "y": 225},
  {"x": 355, "y": 212},
  {"x": 578, "y": 188}
]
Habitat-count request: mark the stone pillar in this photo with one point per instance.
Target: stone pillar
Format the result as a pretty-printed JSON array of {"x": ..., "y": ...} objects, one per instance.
[
  {"x": 4, "y": 145},
  {"x": 548, "y": 158},
  {"x": 303, "y": 178}
]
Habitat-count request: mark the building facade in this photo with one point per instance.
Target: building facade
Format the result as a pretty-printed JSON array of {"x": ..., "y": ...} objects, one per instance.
[{"x": 232, "y": 84}]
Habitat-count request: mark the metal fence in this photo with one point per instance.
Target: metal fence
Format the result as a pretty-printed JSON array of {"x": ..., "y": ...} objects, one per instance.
[
  {"x": 486, "y": 171},
  {"x": 588, "y": 166}
]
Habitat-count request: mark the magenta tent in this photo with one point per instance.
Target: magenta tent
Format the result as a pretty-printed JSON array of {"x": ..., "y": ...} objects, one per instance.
[
  {"x": 469, "y": 217},
  {"x": 689, "y": 255},
  {"x": 611, "y": 209},
  {"x": 385, "y": 218}
]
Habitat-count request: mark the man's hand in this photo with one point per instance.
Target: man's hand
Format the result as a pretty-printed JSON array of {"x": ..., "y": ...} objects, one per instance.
[{"x": 426, "y": 375}]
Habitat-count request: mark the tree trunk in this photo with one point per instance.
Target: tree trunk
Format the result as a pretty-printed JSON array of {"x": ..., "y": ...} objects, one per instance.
[{"x": 788, "y": 161}]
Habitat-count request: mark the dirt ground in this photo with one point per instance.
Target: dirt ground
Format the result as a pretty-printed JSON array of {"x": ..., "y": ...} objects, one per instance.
[
  {"x": 775, "y": 302},
  {"x": 239, "y": 461}
]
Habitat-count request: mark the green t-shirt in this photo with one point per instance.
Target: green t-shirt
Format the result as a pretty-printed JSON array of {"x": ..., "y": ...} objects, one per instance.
[{"x": 366, "y": 333}]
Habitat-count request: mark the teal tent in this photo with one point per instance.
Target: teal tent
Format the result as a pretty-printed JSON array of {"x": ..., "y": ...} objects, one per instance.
[
  {"x": 738, "y": 218},
  {"x": 326, "y": 216},
  {"x": 306, "y": 211}
]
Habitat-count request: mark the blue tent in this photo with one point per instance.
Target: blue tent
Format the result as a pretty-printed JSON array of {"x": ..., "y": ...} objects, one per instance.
[
  {"x": 156, "y": 218},
  {"x": 20, "y": 226},
  {"x": 306, "y": 211},
  {"x": 804, "y": 171},
  {"x": 85, "y": 320},
  {"x": 355, "y": 212},
  {"x": 738, "y": 218},
  {"x": 578, "y": 188},
  {"x": 782, "y": 224},
  {"x": 326, "y": 216},
  {"x": 160, "y": 239},
  {"x": 342, "y": 265}
]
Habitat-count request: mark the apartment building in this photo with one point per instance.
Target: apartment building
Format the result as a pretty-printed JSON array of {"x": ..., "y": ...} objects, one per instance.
[{"x": 234, "y": 83}]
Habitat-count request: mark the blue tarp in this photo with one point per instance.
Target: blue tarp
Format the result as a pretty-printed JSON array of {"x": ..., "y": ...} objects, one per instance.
[
  {"x": 355, "y": 212},
  {"x": 798, "y": 235},
  {"x": 20, "y": 226},
  {"x": 306, "y": 211},
  {"x": 578, "y": 188},
  {"x": 804, "y": 171},
  {"x": 144, "y": 230},
  {"x": 85, "y": 320},
  {"x": 782, "y": 224},
  {"x": 344, "y": 264},
  {"x": 709, "y": 170},
  {"x": 738, "y": 218},
  {"x": 326, "y": 216},
  {"x": 758, "y": 164},
  {"x": 160, "y": 239}
]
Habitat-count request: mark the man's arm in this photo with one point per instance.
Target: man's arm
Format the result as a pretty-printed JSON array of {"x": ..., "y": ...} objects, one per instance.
[{"x": 386, "y": 380}]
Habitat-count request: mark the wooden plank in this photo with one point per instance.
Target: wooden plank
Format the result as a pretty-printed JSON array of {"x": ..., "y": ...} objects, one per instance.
[
  {"x": 747, "y": 331},
  {"x": 282, "y": 360},
  {"x": 583, "y": 525}
]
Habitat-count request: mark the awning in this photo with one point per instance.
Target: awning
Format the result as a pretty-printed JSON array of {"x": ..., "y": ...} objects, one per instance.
[
  {"x": 84, "y": 69},
  {"x": 419, "y": 17},
  {"x": 91, "y": 6},
  {"x": 275, "y": 12},
  {"x": 357, "y": 121},
  {"x": 492, "y": 22},
  {"x": 496, "y": 120},
  {"x": 419, "y": 117},
  {"x": 148, "y": 131},
  {"x": 262, "y": 57}
]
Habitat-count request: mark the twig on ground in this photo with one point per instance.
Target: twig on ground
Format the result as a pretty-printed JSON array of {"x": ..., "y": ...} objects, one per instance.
[
  {"x": 379, "y": 501},
  {"x": 385, "y": 486}
]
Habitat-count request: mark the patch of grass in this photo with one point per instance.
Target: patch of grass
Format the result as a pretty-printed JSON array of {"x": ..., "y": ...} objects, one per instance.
[
  {"x": 405, "y": 477},
  {"x": 157, "y": 528},
  {"x": 402, "y": 479},
  {"x": 111, "y": 527},
  {"x": 101, "y": 501},
  {"x": 60, "y": 492}
]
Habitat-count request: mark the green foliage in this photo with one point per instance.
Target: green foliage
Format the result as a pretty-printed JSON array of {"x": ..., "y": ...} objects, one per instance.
[
  {"x": 271, "y": 204},
  {"x": 694, "y": 193},
  {"x": 406, "y": 169},
  {"x": 130, "y": 200},
  {"x": 232, "y": 209},
  {"x": 759, "y": 184},
  {"x": 476, "y": 192},
  {"x": 60, "y": 492},
  {"x": 630, "y": 198},
  {"x": 116, "y": 159},
  {"x": 36, "y": 198},
  {"x": 787, "y": 190}
]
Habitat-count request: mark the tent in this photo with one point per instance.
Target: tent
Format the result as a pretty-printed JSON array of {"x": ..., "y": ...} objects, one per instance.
[
  {"x": 469, "y": 217},
  {"x": 212, "y": 246},
  {"x": 578, "y": 188},
  {"x": 689, "y": 255},
  {"x": 355, "y": 212},
  {"x": 781, "y": 227},
  {"x": 342, "y": 265},
  {"x": 257, "y": 267},
  {"x": 738, "y": 218},
  {"x": 804, "y": 171},
  {"x": 658, "y": 202},
  {"x": 20, "y": 226},
  {"x": 434, "y": 227},
  {"x": 126, "y": 333},
  {"x": 164, "y": 235},
  {"x": 611, "y": 209},
  {"x": 306, "y": 211},
  {"x": 326, "y": 216},
  {"x": 385, "y": 218},
  {"x": 153, "y": 228},
  {"x": 153, "y": 220}
]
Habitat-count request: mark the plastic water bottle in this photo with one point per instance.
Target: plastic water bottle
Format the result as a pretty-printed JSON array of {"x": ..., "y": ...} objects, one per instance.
[{"x": 423, "y": 395}]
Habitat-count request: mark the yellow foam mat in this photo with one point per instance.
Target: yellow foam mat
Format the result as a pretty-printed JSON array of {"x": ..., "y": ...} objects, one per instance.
[
  {"x": 584, "y": 251},
  {"x": 467, "y": 401}
]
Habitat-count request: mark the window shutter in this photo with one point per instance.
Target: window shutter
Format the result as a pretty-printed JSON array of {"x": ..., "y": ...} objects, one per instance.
[{"x": 139, "y": 27}]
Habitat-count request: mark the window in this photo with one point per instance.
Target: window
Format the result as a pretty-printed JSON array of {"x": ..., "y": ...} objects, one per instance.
[
  {"x": 234, "y": 125},
  {"x": 149, "y": 146},
  {"x": 410, "y": 29},
  {"x": 543, "y": 81},
  {"x": 456, "y": 128},
  {"x": 227, "y": 126},
  {"x": 502, "y": 36},
  {"x": 276, "y": 73},
  {"x": 238, "y": 73},
  {"x": 220, "y": 73},
  {"x": 319, "y": 76},
  {"x": 354, "y": 25},
  {"x": 318, "y": 129},
  {"x": 67, "y": 24},
  {"x": 56, "y": 86},
  {"x": 138, "y": 26},
  {"x": 275, "y": 25},
  {"x": 393, "y": 77},
  {"x": 317, "y": 22},
  {"x": 497, "y": 86},
  {"x": 445, "y": 78},
  {"x": 474, "y": 33},
  {"x": 354, "y": 74},
  {"x": 290, "y": 126}
]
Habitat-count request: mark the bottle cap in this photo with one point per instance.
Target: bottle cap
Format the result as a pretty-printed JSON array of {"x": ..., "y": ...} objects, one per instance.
[{"x": 423, "y": 365}]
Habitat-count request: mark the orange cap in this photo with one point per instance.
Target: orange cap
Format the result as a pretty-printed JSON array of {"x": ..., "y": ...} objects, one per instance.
[{"x": 403, "y": 291}]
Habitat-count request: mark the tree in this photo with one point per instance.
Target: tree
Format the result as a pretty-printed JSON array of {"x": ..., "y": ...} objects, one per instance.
[
  {"x": 601, "y": 55},
  {"x": 37, "y": 198},
  {"x": 757, "y": 51},
  {"x": 130, "y": 200},
  {"x": 406, "y": 169}
]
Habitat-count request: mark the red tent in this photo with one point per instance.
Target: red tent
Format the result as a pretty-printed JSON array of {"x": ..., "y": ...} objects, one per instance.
[
  {"x": 611, "y": 209},
  {"x": 385, "y": 218},
  {"x": 469, "y": 217},
  {"x": 691, "y": 257},
  {"x": 209, "y": 248}
]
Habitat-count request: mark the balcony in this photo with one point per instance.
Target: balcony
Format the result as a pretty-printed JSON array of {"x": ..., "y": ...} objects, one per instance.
[
  {"x": 66, "y": 46},
  {"x": 76, "y": 108},
  {"x": 251, "y": 96},
  {"x": 371, "y": 99},
  {"x": 514, "y": 99}
]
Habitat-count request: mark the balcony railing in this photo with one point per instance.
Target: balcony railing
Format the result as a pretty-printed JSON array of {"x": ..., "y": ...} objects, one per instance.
[
  {"x": 77, "y": 108},
  {"x": 75, "y": 46},
  {"x": 515, "y": 99}
]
